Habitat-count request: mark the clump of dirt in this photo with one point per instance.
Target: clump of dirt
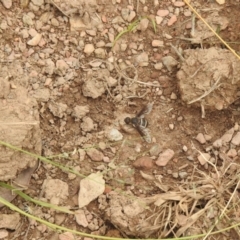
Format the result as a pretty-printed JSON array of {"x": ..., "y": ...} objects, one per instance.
[{"x": 209, "y": 77}]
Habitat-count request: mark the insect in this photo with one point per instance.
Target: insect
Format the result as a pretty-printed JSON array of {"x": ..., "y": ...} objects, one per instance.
[
  {"x": 140, "y": 123},
  {"x": 27, "y": 208}
]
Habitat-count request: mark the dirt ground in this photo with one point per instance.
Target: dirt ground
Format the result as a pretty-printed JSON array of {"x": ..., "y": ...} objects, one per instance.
[{"x": 74, "y": 89}]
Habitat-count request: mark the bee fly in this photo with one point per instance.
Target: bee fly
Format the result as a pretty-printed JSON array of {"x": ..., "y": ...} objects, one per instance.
[{"x": 140, "y": 123}]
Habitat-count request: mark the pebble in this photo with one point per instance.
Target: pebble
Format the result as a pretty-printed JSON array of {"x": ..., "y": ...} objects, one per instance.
[
  {"x": 94, "y": 154},
  {"x": 114, "y": 135},
  {"x": 172, "y": 20},
  {"x": 157, "y": 43},
  {"x": 123, "y": 47},
  {"x": 185, "y": 148},
  {"x": 175, "y": 175},
  {"x": 38, "y": 3},
  {"x": 7, "y": 3},
  {"x": 171, "y": 126},
  {"x": 200, "y": 138},
  {"x": 35, "y": 40},
  {"x": 159, "y": 19},
  {"x": 162, "y": 13},
  {"x": 131, "y": 16},
  {"x": 227, "y": 137},
  {"x": 9, "y": 221},
  {"x": 143, "y": 163},
  {"x": 179, "y": 4},
  {"x": 165, "y": 157},
  {"x": 55, "y": 190},
  {"x": 236, "y": 139},
  {"x": 27, "y": 20},
  {"x": 92, "y": 33},
  {"x": 88, "y": 49},
  {"x": 142, "y": 59},
  {"x": 218, "y": 143},
  {"x": 183, "y": 175},
  {"x": 232, "y": 153},
  {"x": 55, "y": 22},
  {"x": 158, "y": 66},
  {"x": 173, "y": 96},
  {"x": 87, "y": 124},
  {"x": 203, "y": 158},
  {"x": 100, "y": 53},
  {"x": 81, "y": 218},
  {"x": 143, "y": 25},
  {"x": 169, "y": 62},
  {"x": 155, "y": 150}
]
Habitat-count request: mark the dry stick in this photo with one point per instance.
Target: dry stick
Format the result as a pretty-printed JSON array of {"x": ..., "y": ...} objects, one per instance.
[
  {"x": 59, "y": 8},
  {"x": 200, "y": 17},
  {"x": 142, "y": 96},
  {"x": 223, "y": 211},
  {"x": 215, "y": 86},
  {"x": 177, "y": 52},
  {"x": 132, "y": 79}
]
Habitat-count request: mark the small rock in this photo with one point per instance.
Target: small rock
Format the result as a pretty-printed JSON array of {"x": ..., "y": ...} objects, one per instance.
[
  {"x": 157, "y": 43},
  {"x": 7, "y": 3},
  {"x": 88, "y": 49},
  {"x": 90, "y": 188},
  {"x": 183, "y": 175},
  {"x": 159, "y": 20},
  {"x": 55, "y": 22},
  {"x": 232, "y": 153},
  {"x": 58, "y": 109},
  {"x": 173, "y": 96},
  {"x": 207, "y": 137},
  {"x": 162, "y": 13},
  {"x": 111, "y": 82},
  {"x": 87, "y": 125},
  {"x": 143, "y": 163},
  {"x": 169, "y": 62},
  {"x": 92, "y": 33},
  {"x": 100, "y": 53},
  {"x": 203, "y": 158},
  {"x": 236, "y": 139},
  {"x": 171, "y": 126},
  {"x": 80, "y": 112},
  {"x": 131, "y": 16},
  {"x": 123, "y": 47},
  {"x": 55, "y": 190},
  {"x": 35, "y": 40},
  {"x": 218, "y": 143},
  {"x": 66, "y": 236},
  {"x": 165, "y": 157},
  {"x": 185, "y": 148},
  {"x": 41, "y": 94},
  {"x": 114, "y": 135},
  {"x": 227, "y": 137},
  {"x": 125, "y": 13},
  {"x": 143, "y": 25},
  {"x": 158, "y": 66},
  {"x": 81, "y": 218},
  {"x": 200, "y": 138},
  {"x": 38, "y": 3},
  {"x": 175, "y": 175},
  {"x": 61, "y": 67},
  {"x": 93, "y": 88},
  {"x": 9, "y": 221},
  {"x": 4, "y": 234},
  {"x": 76, "y": 23},
  {"x": 172, "y": 20},
  {"x": 142, "y": 59},
  {"x": 27, "y": 20},
  {"x": 94, "y": 154},
  {"x": 179, "y": 4},
  {"x": 155, "y": 150},
  {"x": 50, "y": 66}
]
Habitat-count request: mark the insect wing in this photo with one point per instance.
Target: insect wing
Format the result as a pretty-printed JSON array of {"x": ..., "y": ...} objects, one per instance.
[
  {"x": 145, "y": 133},
  {"x": 146, "y": 110}
]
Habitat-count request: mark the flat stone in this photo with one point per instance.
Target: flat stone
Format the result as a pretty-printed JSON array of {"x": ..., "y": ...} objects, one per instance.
[
  {"x": 200, "y": 138},
  {"x": 179, "y": 4},
  {"x": 165, "y": 157},
  {"x": 7, "y": 3},
  {"x": 143, "y": 163},
  {"x": 162, "y": 13},
  {"x": 203, "y": 158},
  {"x": 94, "y": 154},
  {"x": 236, "y": 139},
  {"x": 159, "y": 19},
  {"x": 89, "y": 48},
  {"x": 172, "y": 20},
  {"x": 157, "y": 43}
]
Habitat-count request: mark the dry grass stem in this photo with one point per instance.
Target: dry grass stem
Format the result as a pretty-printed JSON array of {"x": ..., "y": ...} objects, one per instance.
[{"x": 215, "y": 86}]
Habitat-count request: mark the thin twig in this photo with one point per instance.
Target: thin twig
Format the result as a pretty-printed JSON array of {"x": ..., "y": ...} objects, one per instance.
[
  {"x": 215, "y": 86},
  {"x": 59, "y": 8},
  {"x": 142, "y": 96},
  {"x": 177, "y": 52}
]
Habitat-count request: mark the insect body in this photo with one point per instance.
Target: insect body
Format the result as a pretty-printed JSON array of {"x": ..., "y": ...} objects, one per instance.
[{"x": 140, "y": 123}]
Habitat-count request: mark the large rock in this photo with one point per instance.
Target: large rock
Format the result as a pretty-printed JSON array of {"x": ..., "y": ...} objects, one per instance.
[
  {"x": 213, "y": 72},
  {"x": 19, "y": 127}
]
